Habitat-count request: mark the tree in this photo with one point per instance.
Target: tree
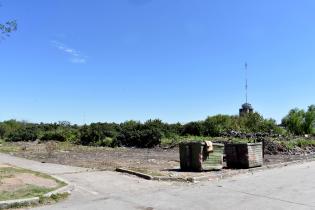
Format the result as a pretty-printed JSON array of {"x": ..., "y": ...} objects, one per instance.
[
  {"x": 192, "y": 128},
  {"x": 294, "y": 121},
  {"x": 215, "y": 125},
  {"x": 309, "y": 122},
  {"x": 300, "y": 122},
  {"x": 252, "y": 122},
  {"x": 135, "y": 134},
  {"x": 2, "y": 131},
  {"x": 7, "y": 28}
]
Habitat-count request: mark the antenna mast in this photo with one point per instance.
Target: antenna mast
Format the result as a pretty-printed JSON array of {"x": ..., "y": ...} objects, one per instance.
[{"x": 246, "y": 82}]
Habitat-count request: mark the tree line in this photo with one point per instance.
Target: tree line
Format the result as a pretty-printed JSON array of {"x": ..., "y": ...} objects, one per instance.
[{"x": 150, "y": 133}]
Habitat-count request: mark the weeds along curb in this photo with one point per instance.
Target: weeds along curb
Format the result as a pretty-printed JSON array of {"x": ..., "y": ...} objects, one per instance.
[
  {"x": 35, "y": 200},
  {"x": 207, "y": 178},
  {"x": 65, "y": 189}
]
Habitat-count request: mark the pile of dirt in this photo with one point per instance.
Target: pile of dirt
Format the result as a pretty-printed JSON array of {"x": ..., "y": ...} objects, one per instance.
[
  {"x": 276, "y": 147},
  {"x": 273, "y": 147}
]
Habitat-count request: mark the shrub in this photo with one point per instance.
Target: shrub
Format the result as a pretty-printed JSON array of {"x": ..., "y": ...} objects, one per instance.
[
  {"x": 146, "y": 138},
  {"x": 270, "y": 126},
  {"x": 173, "y": 130},
  {"x": 128, "y": 138},
  {"x": 23, "y": 134},
  {"x": 251, "y": 122},
  {"x": 107, "y": 142},
  {"x": 49, "y": 136},
  {"x": 309, "y": 122},
  {"x": 192, "y": 128},
  {"x": 300, "y": 122},
  {"x": 214, "y": 126},
  {"x": 96, "y": 133},
  {"x": 294, "y": 121},
  {"x": 88, "y": 136},
  {"x": 150, "y": 138},
  {"x": 2, "y": 131},
  {"x": 70, "y": 135}
]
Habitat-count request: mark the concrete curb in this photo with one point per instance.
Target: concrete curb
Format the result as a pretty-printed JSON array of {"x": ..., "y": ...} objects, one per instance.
[
  {"x": 65, "y": 189},
  {"x": 149, "y": 177},
  {"x": 141, "y": 175},
  {"x": 19, "y": 203},
  {"x": 171, "y": 179},
  {"x": 35, "y": 200},
  {"x": 207, "y": 178}
]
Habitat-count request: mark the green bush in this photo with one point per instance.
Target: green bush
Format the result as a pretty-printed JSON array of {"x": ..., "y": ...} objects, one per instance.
[
  {"x": 300, "y": 122},
  {"x": 107, "y": 142},
  {"x": 2, "y": 131},
  {"x": 97, "y": 132},
  {"x": 23, "y": 134},
  {"x": 88, "y": 136},
  {"x": 192, "y": 129},
  {"x": 53, "y": 136},
  {"x": 70, "y": 135},
  {"x": 142, "y": 138},
  {"x": 214, "y": 126}
]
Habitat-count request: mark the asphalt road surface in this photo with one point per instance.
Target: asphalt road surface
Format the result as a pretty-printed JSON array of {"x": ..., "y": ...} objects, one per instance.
[{"x": 291, "y": 187}]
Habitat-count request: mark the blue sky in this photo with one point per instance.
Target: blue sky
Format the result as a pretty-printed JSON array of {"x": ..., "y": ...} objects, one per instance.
[{"x": 180, "y": 60}]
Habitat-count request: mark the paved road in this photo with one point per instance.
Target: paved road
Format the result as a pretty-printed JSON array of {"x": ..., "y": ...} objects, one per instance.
[{"x": 292, "y": 187}]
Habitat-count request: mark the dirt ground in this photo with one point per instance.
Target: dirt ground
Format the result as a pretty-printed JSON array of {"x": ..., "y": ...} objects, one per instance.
[
  {"x": 20, "y": 180},
  {"x": 13, "y": 179},
  {"x": 157, "y": 161}
]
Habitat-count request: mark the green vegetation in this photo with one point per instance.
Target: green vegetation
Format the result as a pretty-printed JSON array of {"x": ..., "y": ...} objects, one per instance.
[
  {"x": 155, "y": 132},
  {"x": 298, "y": 143},
  {"x": 6, "y": 147},
  {"x": 28, "y": 191},
  {"x": 54, "y": 198},
  {"x": 300, "y": 122}
]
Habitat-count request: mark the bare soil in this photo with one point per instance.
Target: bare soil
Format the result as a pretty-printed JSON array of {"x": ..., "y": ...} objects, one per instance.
[
  {"x": 157, "y": 161},
  {"x": 13, "y": 180}
]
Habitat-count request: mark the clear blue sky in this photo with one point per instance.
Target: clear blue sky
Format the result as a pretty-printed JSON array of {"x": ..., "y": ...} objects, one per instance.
[{"x": 177, "y": 60}]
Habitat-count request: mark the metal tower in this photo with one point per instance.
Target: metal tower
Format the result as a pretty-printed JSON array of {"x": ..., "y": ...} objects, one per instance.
[
  {"x": 246, "y": 82},
  {"x": 247, "y": 107}
]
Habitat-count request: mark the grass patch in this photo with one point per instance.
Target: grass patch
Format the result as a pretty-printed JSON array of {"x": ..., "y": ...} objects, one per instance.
[
  {"x": 55, "y": 198},
  {"x": 26, "y": 191},
  {"x": 6, "y": 147},
  {"x": 298, "y": 143}
]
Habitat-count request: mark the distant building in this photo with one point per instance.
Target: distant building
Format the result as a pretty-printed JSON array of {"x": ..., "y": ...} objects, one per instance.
[{"x": 246, "y": 109}]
